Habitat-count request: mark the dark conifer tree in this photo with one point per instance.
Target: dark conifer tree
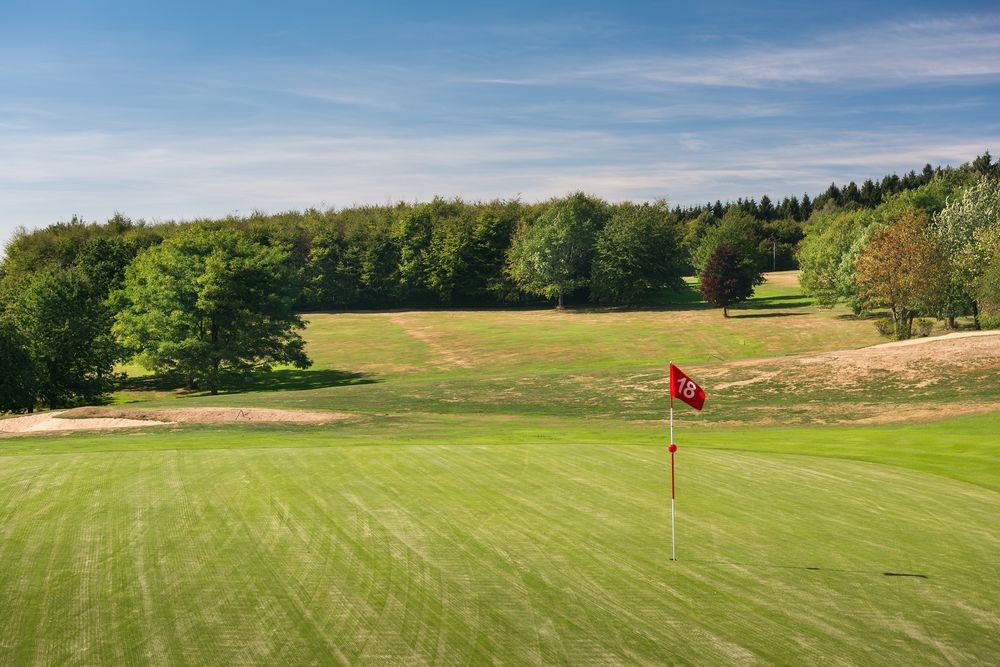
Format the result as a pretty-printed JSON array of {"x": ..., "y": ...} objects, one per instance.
[
  {"x": 806, "y": 207},
  {"x": 870, "y": 196},
  {"x": 834, "y": 194},
  {"x": 851, "y": 194},
  {"x": 890, "y": 185},
  {"x": 981, "y": 165},
  {"x": 766, "y": 209}
]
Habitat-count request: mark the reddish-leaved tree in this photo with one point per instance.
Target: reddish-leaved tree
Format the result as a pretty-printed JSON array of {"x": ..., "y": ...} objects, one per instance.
[{"x": 728, "y": 278}]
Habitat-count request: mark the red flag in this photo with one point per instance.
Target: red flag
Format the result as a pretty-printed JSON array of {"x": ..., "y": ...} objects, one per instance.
[{"x": 684, "y": 388}]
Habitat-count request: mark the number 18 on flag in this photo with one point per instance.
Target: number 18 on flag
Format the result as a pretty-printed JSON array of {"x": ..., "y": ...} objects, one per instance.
[{"x": 684, "y": 388}]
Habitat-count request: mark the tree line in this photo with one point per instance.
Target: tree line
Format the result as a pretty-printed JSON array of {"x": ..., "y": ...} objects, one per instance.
[
  {"x": 929, "y": 252},
  {"x": 208, "y": 302}
]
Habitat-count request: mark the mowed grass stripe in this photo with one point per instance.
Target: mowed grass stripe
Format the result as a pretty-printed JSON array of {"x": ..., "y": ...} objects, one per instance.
[
  {"x": 520, "y": 553},
  {"x": 963, "y": 448}
]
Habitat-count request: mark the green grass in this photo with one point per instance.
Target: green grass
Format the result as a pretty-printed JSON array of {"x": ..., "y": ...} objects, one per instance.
[
  {"x": 579, "y": 362},
  {"x": 283, "y": 545},
  {"x": 502, "y": 495}
]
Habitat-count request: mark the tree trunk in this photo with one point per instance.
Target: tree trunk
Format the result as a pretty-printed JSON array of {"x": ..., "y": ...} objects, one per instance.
[
  {"x": 904, "y": 324},
  {"x": 725, "y": 311},
  {"x": 975, "y": 316},
  {"x": 213, "y": 381},
  {"x": 559, "y": 303},
  {"x": 213, "y": 386}
]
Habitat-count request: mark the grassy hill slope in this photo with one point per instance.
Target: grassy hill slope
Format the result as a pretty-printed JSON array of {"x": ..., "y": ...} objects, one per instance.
[{"x": 502, "y": 494}]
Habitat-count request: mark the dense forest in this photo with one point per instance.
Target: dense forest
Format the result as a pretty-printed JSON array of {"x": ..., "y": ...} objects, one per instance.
[{"x": 79, "y": 297}]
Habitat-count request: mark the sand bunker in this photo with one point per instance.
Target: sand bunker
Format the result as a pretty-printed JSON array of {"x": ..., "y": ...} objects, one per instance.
[
  {"x": 98, "y": 418},
  {"x": 52, "y": 421}
]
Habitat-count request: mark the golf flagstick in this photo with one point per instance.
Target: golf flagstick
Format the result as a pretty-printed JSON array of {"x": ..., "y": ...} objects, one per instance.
[
  {"x": 673, "y": 494},
  {"x": 689, "y": 392}
]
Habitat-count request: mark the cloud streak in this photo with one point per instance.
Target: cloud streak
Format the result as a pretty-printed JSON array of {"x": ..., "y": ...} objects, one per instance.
[
  {"x": 887, "y": 55},
  {"x": 156, "y": 178},
  {"x": 201, "y": 137}
]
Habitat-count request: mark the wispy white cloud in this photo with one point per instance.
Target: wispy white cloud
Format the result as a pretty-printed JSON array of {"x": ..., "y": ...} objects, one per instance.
[
  {"x": 894, "y": 54},
  {"x": 686, "y": 110},
  {"x": 194, "y": 139},
  {"x": 180, "y": 178}
]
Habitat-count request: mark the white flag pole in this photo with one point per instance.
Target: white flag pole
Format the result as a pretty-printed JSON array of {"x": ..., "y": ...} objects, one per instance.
[
  {"x": 672, "y": 448},
  {"x": 673, "y": 531}
]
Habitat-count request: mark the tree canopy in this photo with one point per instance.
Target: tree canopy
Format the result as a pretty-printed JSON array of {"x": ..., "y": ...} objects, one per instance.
[
  {"x": 17, "y": 371},
  {"x": 57, "y": 348},
  {"x": 902, "y": 269},
  {"x": 638, "y": 253},
  {"x": 553, "y": 256},
  {"x": 967, "y": 231},
  {"x": 210, "y": 306},
  {"x": 738, "y": 230},
  {"x": 835, "y": 238},
  {"x": 63, "y": 323}
]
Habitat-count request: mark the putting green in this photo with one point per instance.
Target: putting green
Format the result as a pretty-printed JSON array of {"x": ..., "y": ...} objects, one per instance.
[{"x": 516, "y": 553}]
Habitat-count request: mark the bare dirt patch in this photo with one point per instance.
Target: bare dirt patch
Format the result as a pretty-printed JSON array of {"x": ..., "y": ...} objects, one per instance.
[
  {"x": 888, "y": 383},
  {"x": 434, "y": 341},
  {"x": 912, "y": 359},
  {"x": 100, "y": 418}
]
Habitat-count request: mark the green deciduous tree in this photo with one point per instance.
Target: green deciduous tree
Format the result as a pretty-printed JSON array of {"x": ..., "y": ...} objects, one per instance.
[
  {"x": 781, "y": 237},
  {"x": 987, "y": 287},
  {"x": 835, "y": 239},
  {"x": 828, "y": 240},
  {"x": 963, "y": 230},
  {"x": 17, "y": 370},
  {"x": 902, "y": 269},
  {"x": 65, "y": 325},
  {"x": 638, "y": 253},
  {"x": 211, "y": 307},
  {"x": 553, "y": 256},
  {"x": 103, "y": 262},
  {"x": 738, "y": 230},
  {"x": 353, "y": 260}
]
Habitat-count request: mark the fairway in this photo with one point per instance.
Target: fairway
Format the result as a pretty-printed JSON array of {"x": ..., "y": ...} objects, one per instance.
[{"x": 498, "y": 491}]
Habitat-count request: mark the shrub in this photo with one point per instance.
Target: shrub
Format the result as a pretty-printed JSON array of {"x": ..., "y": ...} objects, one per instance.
[
  {"x": 924, "y": 326},
  {"x": 885, "y": 326}
]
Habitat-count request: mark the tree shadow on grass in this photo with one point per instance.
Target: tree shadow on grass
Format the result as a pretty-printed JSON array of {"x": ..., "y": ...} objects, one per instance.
[
  {"x": 294, "y": 379},
  {"x": 284, "y": 379},
  {"x": 148, "y": 383},
  {"x": 769, "y": 302},
  {"x": 815, "y": 568},
  {"x": 746, "y": 316}
]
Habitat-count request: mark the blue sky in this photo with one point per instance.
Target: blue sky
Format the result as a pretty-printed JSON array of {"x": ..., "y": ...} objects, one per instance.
[{"x": 177, "y": 110}]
